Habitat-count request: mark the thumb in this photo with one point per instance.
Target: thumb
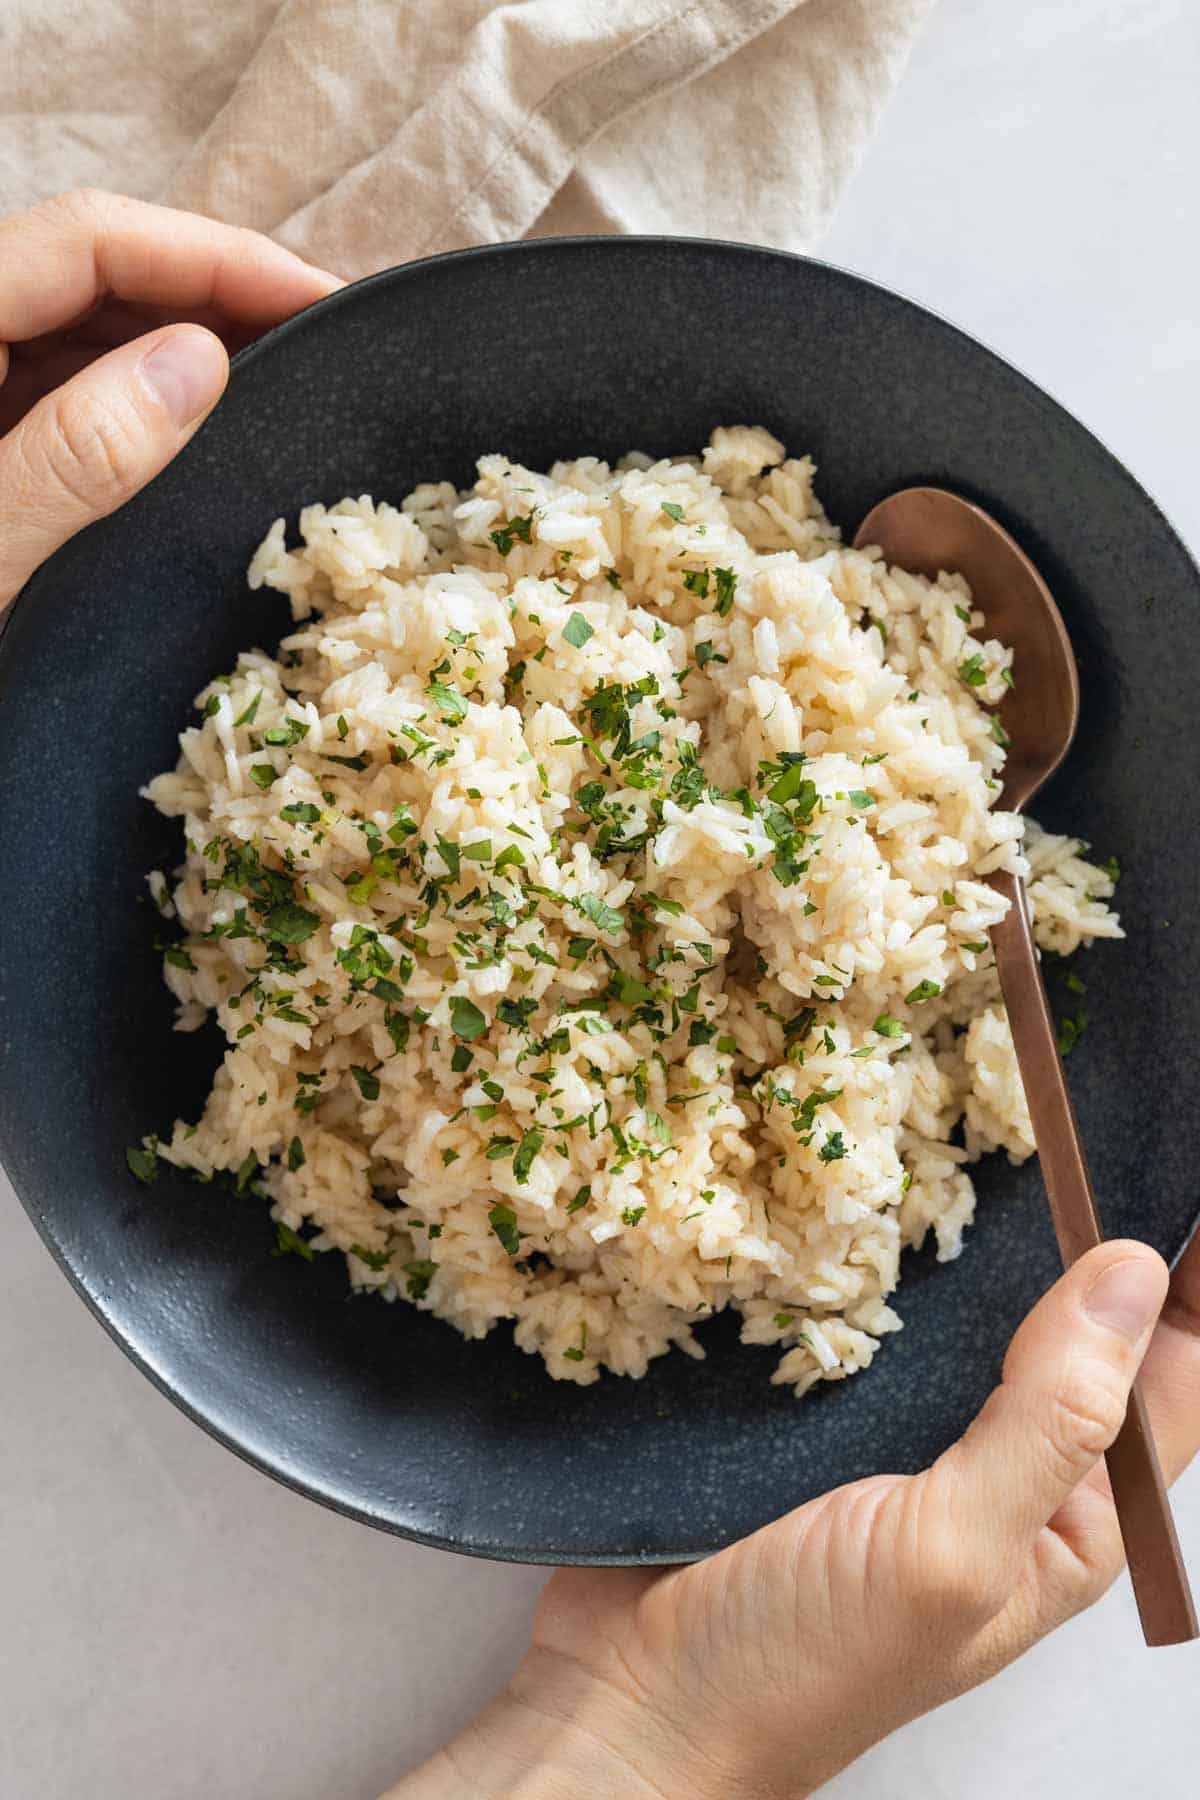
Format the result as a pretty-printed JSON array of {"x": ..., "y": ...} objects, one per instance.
[
  {"x": 91, "y": 444},
  {"x": 1060, "y": 1404}
]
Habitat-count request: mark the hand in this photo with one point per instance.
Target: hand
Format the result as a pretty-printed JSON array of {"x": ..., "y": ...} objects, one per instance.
[
  {"x": 101, "y": 379},
  {"x": 764, "y": 1670}
]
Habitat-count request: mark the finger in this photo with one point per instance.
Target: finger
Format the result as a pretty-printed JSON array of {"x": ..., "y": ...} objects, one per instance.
[
  {"x": 1087, "y": 1521},
  {"x": 59, "y": 259},
  {"x": 87, "y": 447},
  {"x": 1059, "y": 1405}
]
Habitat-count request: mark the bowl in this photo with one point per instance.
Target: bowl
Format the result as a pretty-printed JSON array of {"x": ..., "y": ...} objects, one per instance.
[{"x": 546, "y": 350}]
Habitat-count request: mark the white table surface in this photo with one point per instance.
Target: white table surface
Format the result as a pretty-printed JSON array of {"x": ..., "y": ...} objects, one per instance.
[{"x": 174, "y": 1625}]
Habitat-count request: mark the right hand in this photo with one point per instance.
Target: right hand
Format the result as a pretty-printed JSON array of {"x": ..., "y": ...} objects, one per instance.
[{"x": 764, "y": 1670}]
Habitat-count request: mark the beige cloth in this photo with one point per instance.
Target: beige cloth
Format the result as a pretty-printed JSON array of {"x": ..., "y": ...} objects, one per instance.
[{"x": 367, "y": 132}]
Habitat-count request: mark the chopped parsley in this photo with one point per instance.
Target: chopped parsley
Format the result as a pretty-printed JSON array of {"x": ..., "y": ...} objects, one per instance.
[
  {"x": 503, "y": 1221},
  {"x": 833, "y": 1149},
  {"x": 517, "y": 530},
  {"x": 366, "y": 1081},
  {"x": 290, "y": 1243},
  {"x": 284, "y": 736},
  {"x": 577, "y": 631},
  {"x": 603, "y": 916},
  {"x": 247, "y": 717},
  {"x": 673, "y": 511},
  {"x": 972, "y": 670},
  {"x": 466, "y": 1020},
  {"x": 290, "y": 923},
  {"x": 527, "y": 1150},
  {"x": 419, "y": 1275},
  {"x": 143, "y": 1163},
  {"x": 374, "y": 1259},
  {"x": 924, "y": 990},
  {"x": 448, "y": 701}
]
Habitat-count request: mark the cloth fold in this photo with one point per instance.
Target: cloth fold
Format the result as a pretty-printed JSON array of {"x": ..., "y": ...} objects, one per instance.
[{"x": 367, "y": 132}]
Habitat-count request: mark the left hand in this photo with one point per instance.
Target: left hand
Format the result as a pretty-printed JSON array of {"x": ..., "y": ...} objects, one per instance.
[{"x": 116, "y": 320}]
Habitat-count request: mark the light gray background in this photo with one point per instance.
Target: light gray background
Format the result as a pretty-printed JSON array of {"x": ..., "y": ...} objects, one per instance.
[{"x": 173, "y": 1625}]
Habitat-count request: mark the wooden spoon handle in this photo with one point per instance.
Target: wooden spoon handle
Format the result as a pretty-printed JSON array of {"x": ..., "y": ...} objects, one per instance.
[{"x": 1156, "y": 1567}]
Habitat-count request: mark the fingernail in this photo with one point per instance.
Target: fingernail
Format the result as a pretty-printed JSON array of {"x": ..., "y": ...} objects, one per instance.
[
  {"x": 1126, "y": 1296},
  {"x": 186, "y": 370}
]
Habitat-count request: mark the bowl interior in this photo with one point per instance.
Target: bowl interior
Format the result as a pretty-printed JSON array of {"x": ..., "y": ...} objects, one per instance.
[{"x": 546, "y": 350}]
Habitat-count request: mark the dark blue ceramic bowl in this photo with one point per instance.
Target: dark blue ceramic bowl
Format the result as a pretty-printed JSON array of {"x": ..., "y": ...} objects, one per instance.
[{"x": 545, "y": 350}]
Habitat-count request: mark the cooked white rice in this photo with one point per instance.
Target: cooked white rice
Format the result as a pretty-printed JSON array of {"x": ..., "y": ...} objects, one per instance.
[{"x": 513, "y": 1071}]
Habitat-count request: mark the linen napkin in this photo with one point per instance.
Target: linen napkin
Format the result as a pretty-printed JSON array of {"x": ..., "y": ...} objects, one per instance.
[{"x": 367, "y": 132}]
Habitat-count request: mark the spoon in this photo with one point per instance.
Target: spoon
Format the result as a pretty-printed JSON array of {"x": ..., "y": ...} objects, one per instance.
[{"x": 928, "y": 530}]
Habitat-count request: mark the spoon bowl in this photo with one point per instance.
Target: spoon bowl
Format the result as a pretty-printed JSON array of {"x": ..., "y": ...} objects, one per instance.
[{"x": 928, "y": 529}]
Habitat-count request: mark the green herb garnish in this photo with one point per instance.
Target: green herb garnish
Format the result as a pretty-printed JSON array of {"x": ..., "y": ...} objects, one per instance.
[
  {"x": 374, "y": 1259},
  {"x": 449, "y": 702},
  {"x": 503, "y": 1221},
  {"x": 247, "y": 718},
  {"x": 290, "y": 1243},
  {"x": 466, "y": 1020},
  {"x": 603, "y": 916},
  {"x": 726, "y": 585},
  {"x": 833, "y": 1149},
  {"x": 527, "y": 1150},
  {"x": 143, "y": 1163},
  {"x": 577, "y": 631},
  {"x": 289, "y": 923},
  {"x": 366, "y": 1080},
  {"x": 419, "y": 1274}
]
